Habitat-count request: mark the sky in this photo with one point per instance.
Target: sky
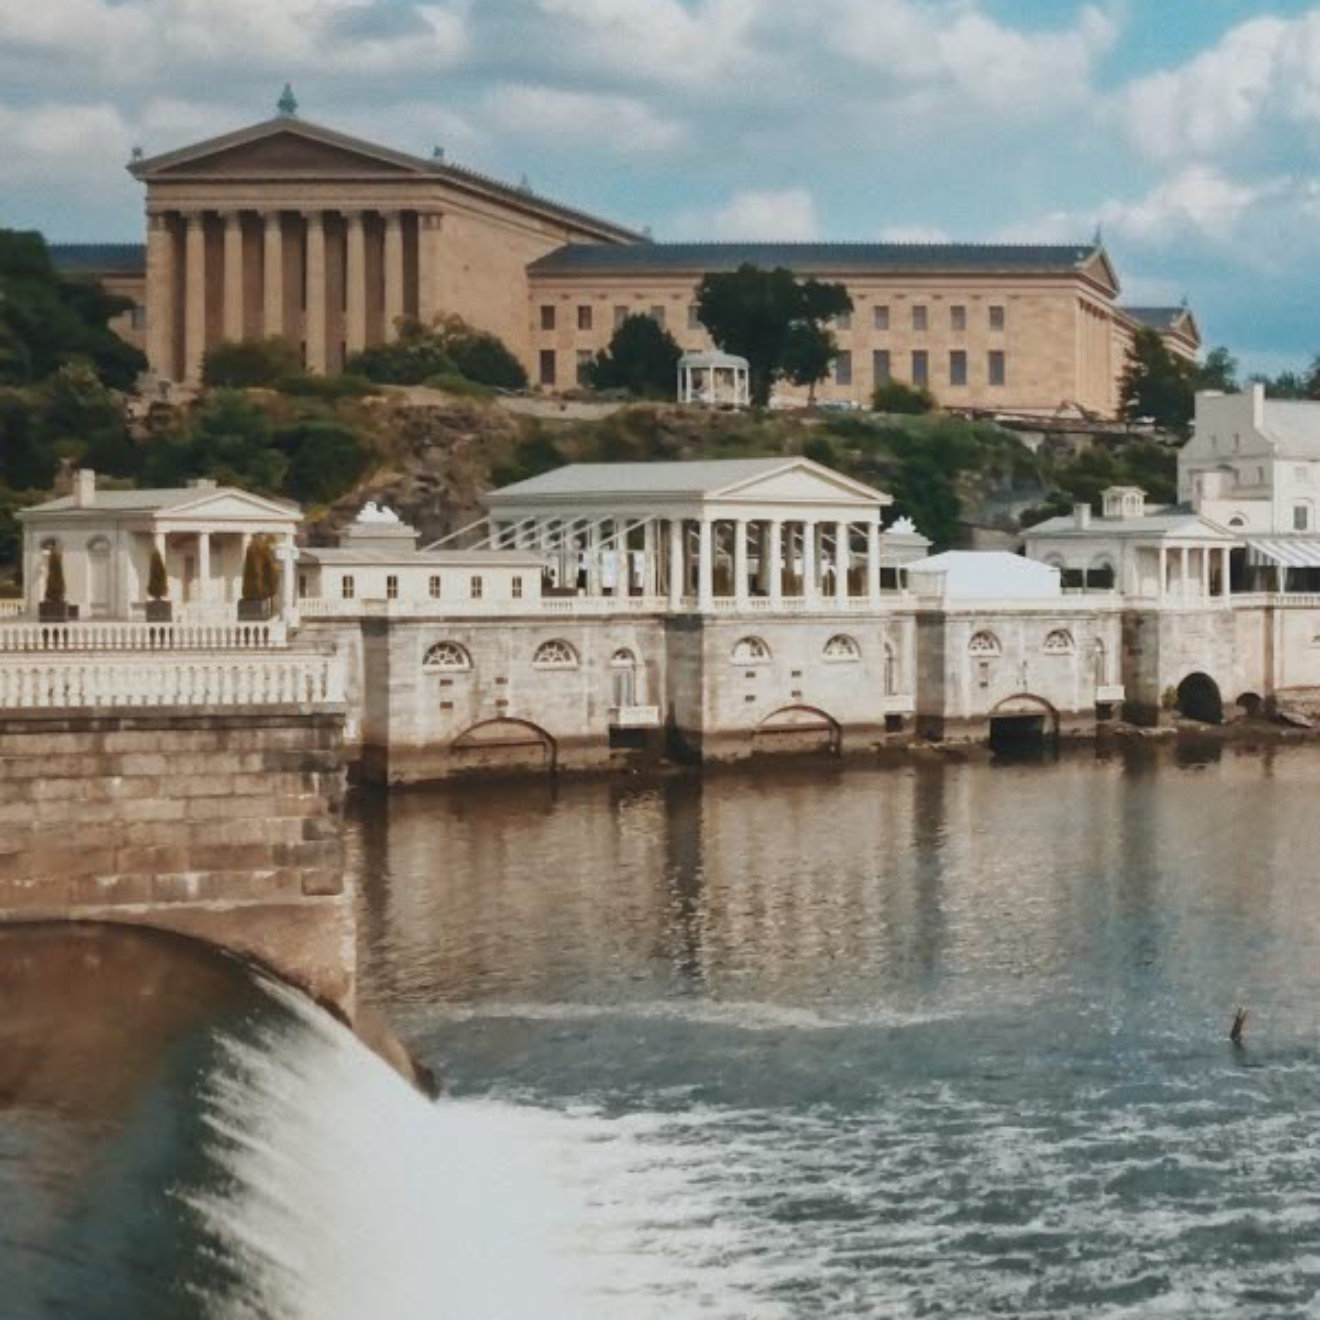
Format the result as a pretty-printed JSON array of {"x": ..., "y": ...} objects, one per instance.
[{"x": 1187, "y": 131}]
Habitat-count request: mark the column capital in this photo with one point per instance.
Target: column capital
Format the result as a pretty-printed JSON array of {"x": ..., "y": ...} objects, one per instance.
[{"x": 315, "y": 216}]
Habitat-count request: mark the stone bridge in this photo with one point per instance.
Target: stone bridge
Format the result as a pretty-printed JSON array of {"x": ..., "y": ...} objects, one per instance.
[{"x": 195, "y": 793}]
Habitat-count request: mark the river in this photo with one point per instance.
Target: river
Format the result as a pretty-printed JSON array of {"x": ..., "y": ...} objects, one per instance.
[{"x": 940, "y": 1040}]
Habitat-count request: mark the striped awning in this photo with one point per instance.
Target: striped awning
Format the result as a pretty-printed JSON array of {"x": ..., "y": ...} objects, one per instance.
[{"x": 1284, "y": 552}]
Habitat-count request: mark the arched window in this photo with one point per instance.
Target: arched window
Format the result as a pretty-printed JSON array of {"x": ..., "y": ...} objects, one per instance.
[
  {"x": 446, "y": 657},
  {"x": 623, "y": 678},
  {"x": 556, "y": 654},
  {"x": 751, "y": 651},
  {"x": 1059, "y": 642},
  {"x": 983, "y": 644},
  {"x": 842, "y": 649},
  {"x": 1237, "y": 520},
  {"x": 623, "y": 659}
]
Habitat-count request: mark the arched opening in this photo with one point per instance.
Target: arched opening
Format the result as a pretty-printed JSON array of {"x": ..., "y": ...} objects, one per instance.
[
  {"x": 496, "y": 746},
  {"x": 623, "y": 679},
  {"x": 1251, "y": 704},
  {"x": 1023, "y": 724},
  {"x": 797, "y": 729},
  {"x": 1199, "y": 699}
]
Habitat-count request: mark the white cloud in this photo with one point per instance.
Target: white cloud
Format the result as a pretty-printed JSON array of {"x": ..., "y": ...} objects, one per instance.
[
  {"x": 787, "y": 215},
  {"x": 581, "y": 118},
  {"x": 65, "y": 148}
]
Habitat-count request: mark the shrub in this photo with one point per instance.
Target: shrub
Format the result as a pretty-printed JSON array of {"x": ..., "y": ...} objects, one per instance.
[
  {"x": 56, "y": 591},
  {"x": 485, "y": 360},
  {"x": 451, "y": 347},
  {"x": 158, "y": 582},
  {"x": 897, "y": 396},
  {"x": 819, "y": 450},
  {"x": 243, "y": 364},
  {"x": 454, "y": 383},
  {"x": 347, "y": 385},
  {"x": 259, "y": 580},
  {"x": 642, "y": 358},
  {"x": 325, "y": 460}
]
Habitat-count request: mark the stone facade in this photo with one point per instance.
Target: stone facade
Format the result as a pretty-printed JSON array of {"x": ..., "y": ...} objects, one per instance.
[{"x": 225, "y": 827}]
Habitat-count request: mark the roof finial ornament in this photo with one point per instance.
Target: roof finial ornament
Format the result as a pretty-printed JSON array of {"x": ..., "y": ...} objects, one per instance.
[
  {"x": 287, "y": 105},
  {"x": 438, "y": 153},
  {"x": 136, "y": 153},
  {"x": 1099, "y": 239}
]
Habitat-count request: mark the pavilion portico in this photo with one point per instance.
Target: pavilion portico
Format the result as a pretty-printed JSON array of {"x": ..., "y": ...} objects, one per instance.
[{"x": 766, "y": 533}]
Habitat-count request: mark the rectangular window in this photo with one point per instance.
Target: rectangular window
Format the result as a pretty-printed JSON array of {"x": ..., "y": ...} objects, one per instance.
[
  {"x": 584, "y": 316},
  {"x": 1302, "y": 475},
  {"x": 920, "y": 318},
  {"x": 1300, "y": 519},
  {"x": 996, "y": 318},
  {"x": 998, "y": 367},
  {"x": 957, "y": 318},
  {"x": 957, "y": 367},
  {"x": 694, "y": 317},
  {"x": 658, "y": 314},
  {"x": 921, "y": 367},
  {"x": 547, "y": 317},
  {"x": 517, "y": 588},
  {"x": 584, "y": 360},
  {"x": 880, "y": 316},
  {"x": 547, "y": 366},
  {"x": 843, "y": 368},
  {"x": 475, "y": 587},
  {"x": 347, "y": 587},
  {"x": 843, "y": 321},
  {"x": 434, "y": 586},
  {"x": 620, "y": 316},
  {"x": 392, "y": 587},
  {"x": 880, "y": 366}
]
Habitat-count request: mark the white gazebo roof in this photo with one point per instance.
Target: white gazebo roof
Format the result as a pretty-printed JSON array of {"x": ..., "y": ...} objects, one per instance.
[
  {"x": 984, "y": 575},
  {"x": 712, "y": 357}
]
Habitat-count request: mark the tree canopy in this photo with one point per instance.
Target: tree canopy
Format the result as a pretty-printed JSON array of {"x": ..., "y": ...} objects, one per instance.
[
  {"x": 423, "y": 354},
  {"x": 1157, "y": 385},
  {"x": 776, "y": 321},
  {"x": 642, "y": 358}
]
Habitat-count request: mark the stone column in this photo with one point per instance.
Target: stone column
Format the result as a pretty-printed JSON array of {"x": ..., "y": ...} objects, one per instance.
[
  {"x": 314, "y": 331},
  {"x": 593, "y": 558},
  {"x": 841, "y": 562},
  {"x": 355, "y": 285},
  {"x": 159, "y": 547},
  {"x": 1185, "y": 569},
  {"x": 203, "y": 566},
  {"x": 675, "y": 563},
  {"x": 194, "y": 299},
  {"x": 809, "y": 560},
  {"x": 649, "y": 552},
  {"x": 873, "y": 562},
  {"x": 1225, "y": 585},
  {"x": 1205, "y": 571},
  {"x": 705, "y": 564},
  {"x": 160, "y": 295},
  {"x": 233, "y": 310},
  {"x": 776, "y": 562},
  {"x": 272, "y": 275},
  {"x": 288, "y": 558},
  {"x": 740, "y": 560},
  {"x": 428, "y": 267},
  {"x": 393, "y": 273}
]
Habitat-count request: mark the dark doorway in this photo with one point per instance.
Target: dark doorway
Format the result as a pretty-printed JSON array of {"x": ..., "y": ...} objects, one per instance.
[
  {"x": 1199, "y": 699},
  {"x": 1018, "y": 733}
]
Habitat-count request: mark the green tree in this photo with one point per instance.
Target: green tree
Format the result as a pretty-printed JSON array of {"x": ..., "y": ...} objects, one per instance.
[
  {"x": 1157, "y": 385},
  {"x": 450, "y": 347},
  {"x": 229, "y": 437},
  {"x": 326, "y": 459},
  {"x": 484, "y": 359},
  {"x": 809, "y": 349},
  {"x": 752, "y": 312},
  {"x": 246, "y": 363},
  {"x": 1219, "y": 371},
  {"x": 158, "y": 581},
  {"x": 642, "y": 358},
  {"x": 80, "y": 419},
  {"x": 897, "y": 396},
  {"x": 56, "y": 591}
]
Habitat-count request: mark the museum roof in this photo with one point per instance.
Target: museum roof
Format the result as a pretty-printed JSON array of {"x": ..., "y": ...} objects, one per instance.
[
  {"x": 898, "y": 258},
  {"x": 1175, "y": 522},
  {"x": 1157, "y": 318},
  {"x": 99, "y": 258}
]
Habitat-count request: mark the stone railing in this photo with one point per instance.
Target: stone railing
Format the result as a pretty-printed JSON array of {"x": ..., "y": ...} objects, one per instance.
[
  {"x": 11, "y": 609},
  {"x": 170, "y": 680},
  {"x": 1285, "y": 600},
  {"x": 25, "y": 635}
]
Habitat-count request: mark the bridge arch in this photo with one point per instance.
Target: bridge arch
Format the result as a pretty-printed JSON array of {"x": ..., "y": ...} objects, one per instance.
[
  {"x": 504, "y": 744},
  {"x": 1199, "y": 699},
  {"x": 798, "y": 729},
  {"x": 1023, "y": 720}
]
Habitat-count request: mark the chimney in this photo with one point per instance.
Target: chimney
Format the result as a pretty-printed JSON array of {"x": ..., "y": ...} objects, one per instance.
[
  {"x": 201, "y": 483},
  {"x": 1258, "y": 405},
  {"x": 1081, "y": 516},
  {"x": 84, "y": 488}
]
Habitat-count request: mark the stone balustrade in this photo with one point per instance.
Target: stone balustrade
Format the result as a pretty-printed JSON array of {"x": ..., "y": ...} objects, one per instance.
[
  {"x": 27, "y": 635},
  {"x": 171, "y": 680},
  {"x": 11, "y": 609}
]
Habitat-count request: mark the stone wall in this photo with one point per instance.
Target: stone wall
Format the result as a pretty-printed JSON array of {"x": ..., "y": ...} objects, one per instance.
[{"x": 222, "y": 826}]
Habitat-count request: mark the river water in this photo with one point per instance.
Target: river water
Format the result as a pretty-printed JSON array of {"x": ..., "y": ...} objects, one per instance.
[{"x": 941, "y": 1040}]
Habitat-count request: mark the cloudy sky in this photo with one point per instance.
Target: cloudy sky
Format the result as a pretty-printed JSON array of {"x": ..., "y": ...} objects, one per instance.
[{"x": 1189, "y": 130}]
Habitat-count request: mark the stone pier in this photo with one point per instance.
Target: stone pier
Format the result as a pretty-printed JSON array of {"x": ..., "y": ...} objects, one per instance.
[{"x": 219, "y": 824}]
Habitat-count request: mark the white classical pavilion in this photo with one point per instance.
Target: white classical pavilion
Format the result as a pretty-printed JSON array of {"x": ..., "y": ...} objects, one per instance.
[
  {"x": 106, "y": 539},
  {"x": 730, "y": 533},
  {"x": 714, "y": 379}
]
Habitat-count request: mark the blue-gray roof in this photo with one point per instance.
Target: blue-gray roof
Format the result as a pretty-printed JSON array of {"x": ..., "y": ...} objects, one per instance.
[
  {"x": 898, "y": 258},
  {"x": 99, "y": 258},
  {"x": 1157, "y": 318}
]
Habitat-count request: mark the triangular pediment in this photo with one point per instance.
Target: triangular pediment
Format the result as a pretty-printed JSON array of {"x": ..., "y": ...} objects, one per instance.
[
  {"x": 1099, "y": 268},
  {"x": 802, "y": 481},
  {"x": 228, "y": 503},
  {"x": 281, "y": 149}
]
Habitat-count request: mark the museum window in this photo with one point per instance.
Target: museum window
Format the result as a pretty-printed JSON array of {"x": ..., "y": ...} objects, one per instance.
[
  {"x": 880, "y": 366},
  {"x": 434, "y": 586},
  {"x": 920, "y": 318},
  {"x": 693, "y": 317},
  {"x": 843, "y": 368},
  {"x": 958, "y": 367},
  {"x": 516, "y": 587},
  {"x": 476, "y": 587},
  {"x": 880, "y": 316},
  {"x": 584, "y": 316},
  {"x": 547, "y": 366},
  {"x": 843, "y": 321},
  {"x": 998, "y": 368},
  {"x": 347, "y": 587},
  {"x": 958, "y": 319},
  {"x": 547, "y": 316},
  {"x": 392, "y": 587},
  {"x": 556, "y": 654},
  {"x": 920, "y": 367},
  {"x": 446, "y": 657},
  {"x": 658, "y": 314},
  {"x": 996, "y": 317}
]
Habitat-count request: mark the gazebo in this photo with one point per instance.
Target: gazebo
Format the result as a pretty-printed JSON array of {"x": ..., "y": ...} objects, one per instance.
[{"x": 714, "y": 380}]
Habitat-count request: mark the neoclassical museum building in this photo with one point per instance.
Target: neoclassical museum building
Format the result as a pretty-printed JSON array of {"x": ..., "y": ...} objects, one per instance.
[{"x": 290, "y": 228}]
